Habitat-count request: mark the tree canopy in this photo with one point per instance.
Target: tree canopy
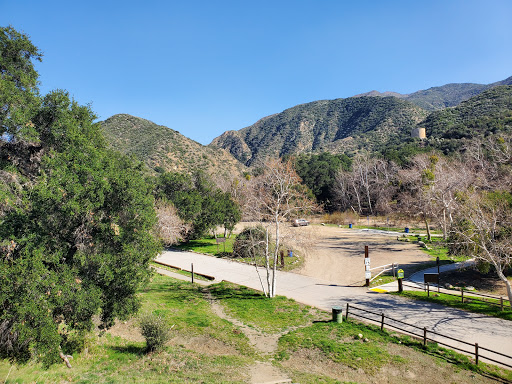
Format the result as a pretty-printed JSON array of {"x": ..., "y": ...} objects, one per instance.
[{"x": 76, "y": 229}]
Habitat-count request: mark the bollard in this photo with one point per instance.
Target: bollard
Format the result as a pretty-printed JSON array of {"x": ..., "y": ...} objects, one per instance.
[{"x": 337, "y": 315}]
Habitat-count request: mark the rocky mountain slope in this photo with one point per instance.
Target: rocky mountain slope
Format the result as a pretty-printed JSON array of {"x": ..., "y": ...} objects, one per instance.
[
  {"x": 162, "y": 148},
  {"x": 339, "y": 125},
  {"x": 369, "y": 121}
]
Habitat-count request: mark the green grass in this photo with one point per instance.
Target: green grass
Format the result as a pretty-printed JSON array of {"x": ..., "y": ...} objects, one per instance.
[
  {"x": 476, "y": 306},
  {"x": 254, "y": 309},
  {"x": 340, "y": 344},
  {"x": 112, "y": 359},
  {"x": 184, "y": 306},
  {"x": 208, "y": 245},
  {"x": 179, "y": 271}
]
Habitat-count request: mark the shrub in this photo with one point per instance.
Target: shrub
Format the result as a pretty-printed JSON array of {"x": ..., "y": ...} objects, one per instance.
[
  {"x": 155, "y": 330},
  {"x": 341, "y": 218},
  {"x": 250, "y": 243}
]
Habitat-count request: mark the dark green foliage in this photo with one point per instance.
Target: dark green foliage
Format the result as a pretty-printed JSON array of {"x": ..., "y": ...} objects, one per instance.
[
  {"x": 198, "y": 201},
  {"x": 483, "y": 115},
  {"x": 75, "y": 234},
  {"x": 155, "y": 330},
  {"x": 80, "y": 239},
  {"x": 318, "y": 173},
  {"x": 18, "y": 83}
]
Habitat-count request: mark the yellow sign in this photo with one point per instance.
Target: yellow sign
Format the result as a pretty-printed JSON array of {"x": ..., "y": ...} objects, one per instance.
[{"x": 400, "y": 274}]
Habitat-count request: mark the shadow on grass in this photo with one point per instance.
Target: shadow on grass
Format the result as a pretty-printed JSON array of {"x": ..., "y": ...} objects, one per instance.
[
  {"x": 229, "y": 291},
  {"x": 130, "y": 349},
  {"x": 193, "y": 244}
]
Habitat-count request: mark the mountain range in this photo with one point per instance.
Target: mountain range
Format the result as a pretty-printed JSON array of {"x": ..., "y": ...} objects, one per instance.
[{"x": 370, "y": 121}]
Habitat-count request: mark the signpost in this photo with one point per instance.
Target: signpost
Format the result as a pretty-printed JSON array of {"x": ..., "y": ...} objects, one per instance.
[
  {"x": 431, "y": 278},
  {"x": 367, "y": 274},
  {"x": 400, "y": 275}
]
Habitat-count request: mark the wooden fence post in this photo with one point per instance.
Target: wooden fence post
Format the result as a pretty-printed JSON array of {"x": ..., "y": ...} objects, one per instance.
[
  {"x": 382, "y": 323},
  {"x": 501, "y": 302},
  {"x": 192, "y": 273},
  {"x": 367, "y": 268},
  {"x": 346, "y": 314},
  {"x": 462, "y": 294},
  {"x": 476, "y": 353},
  {"x": 425, "y": 336}
]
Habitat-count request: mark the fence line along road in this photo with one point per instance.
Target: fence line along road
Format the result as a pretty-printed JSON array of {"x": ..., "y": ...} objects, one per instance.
[
  {"x": 423, "y": 334},
  {"x": 500, "y": 301},
  {"x": 473, "y": 328}
]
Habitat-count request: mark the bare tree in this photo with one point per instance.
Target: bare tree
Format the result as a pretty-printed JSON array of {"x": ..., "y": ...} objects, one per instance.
[
  {"x": 482, "y": 230},
  {"x": 368, "y": 188},
  {"x": 169, "y": 228},
  {"x": 275, "y": 197},
  {"x": 431, "y": 186}
]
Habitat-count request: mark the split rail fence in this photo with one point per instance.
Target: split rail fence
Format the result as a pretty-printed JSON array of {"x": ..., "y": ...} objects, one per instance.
[
  {"x": 425, "y": 335},
  {"x": 497, "y": 301}
]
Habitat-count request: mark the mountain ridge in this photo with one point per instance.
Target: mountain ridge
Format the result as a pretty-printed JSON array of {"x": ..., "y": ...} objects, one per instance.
[
  {"x": 365, "y": 121},
  {"x": 164, "y": 149}
]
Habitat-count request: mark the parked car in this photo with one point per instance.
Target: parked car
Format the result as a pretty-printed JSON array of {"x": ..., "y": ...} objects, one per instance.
[{"x": 300, "y": 222}]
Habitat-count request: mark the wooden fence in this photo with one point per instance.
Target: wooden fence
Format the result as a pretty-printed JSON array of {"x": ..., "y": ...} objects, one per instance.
[
  {"x": 424, "y": 333},
  {"x": 499, "y": 301}
]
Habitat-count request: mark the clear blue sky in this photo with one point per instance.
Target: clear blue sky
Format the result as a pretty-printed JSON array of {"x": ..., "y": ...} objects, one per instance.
[{"x": 205, "y": 67}]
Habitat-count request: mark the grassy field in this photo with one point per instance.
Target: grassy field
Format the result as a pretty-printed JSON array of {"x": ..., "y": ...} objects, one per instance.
[{"x": 206, "y": 348}]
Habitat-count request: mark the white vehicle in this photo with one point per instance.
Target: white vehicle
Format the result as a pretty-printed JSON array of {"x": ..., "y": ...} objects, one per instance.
[{"x": 300, "y": 222}]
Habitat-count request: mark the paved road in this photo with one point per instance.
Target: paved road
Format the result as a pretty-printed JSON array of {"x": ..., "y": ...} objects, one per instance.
[{"x": 487, "y": 331}]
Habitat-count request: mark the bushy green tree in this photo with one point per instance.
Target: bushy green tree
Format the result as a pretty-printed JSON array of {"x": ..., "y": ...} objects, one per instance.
[
  {"x": 318, "y": 172},
  {"x": 76, "y": 238},
  {"x": 18, "y": 82},
  {"x": 198, "y": 201}
]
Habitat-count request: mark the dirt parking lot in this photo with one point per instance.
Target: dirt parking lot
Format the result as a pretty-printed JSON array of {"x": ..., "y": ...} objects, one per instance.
[{"x": 336, "y": 254}]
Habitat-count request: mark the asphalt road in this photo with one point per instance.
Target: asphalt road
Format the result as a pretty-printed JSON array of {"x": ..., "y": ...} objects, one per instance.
[{"x": 492, "y": 333}]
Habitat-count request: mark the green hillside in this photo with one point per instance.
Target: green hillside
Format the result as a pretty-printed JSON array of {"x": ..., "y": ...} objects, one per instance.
[
  {"x": 449, "y": 95},
  {"x": 334, "y": 125},
  {"x": 487, "y": 113},
  {"x": 162, "y": 148}
]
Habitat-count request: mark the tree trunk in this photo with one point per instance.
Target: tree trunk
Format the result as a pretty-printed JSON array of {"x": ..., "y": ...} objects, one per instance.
[
  {"x": 267, "y": 264},
  {"x": 276, "y": 254},
  {"x": 429, "y": 236},
  {"x": 507, "y": 283}
]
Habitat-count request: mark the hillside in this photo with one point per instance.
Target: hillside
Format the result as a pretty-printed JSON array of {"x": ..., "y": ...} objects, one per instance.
[
  {"x": 163, "y": 148},
  {"x": 489, "y": 112},
  {"x": 334, "y": 125},
  {"x": 435, "y": 98}
]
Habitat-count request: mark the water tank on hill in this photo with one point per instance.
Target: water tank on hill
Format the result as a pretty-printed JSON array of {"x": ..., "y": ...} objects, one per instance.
[{"x": 419, "y": 133}]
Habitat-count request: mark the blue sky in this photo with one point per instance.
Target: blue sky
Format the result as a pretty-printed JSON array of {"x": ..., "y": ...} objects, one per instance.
[{"x": 205, "y": 67}]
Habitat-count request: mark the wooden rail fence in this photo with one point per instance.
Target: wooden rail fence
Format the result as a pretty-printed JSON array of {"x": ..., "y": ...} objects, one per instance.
[
  {"x": 475, "y": 350},
  {"x": 500, "y": 301}
]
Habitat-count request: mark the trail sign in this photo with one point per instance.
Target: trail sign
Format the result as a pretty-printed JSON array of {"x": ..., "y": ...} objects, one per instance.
[
  {"x": 400, "y": 274},
  {"x": 367, "y": 274},
  {"x": 367, "y": 261}
]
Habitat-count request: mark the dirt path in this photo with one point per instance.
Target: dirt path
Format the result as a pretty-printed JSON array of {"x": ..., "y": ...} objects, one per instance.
[
  {"x": 337, "y": 254},
  {"x": 263, "y": 371}
]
